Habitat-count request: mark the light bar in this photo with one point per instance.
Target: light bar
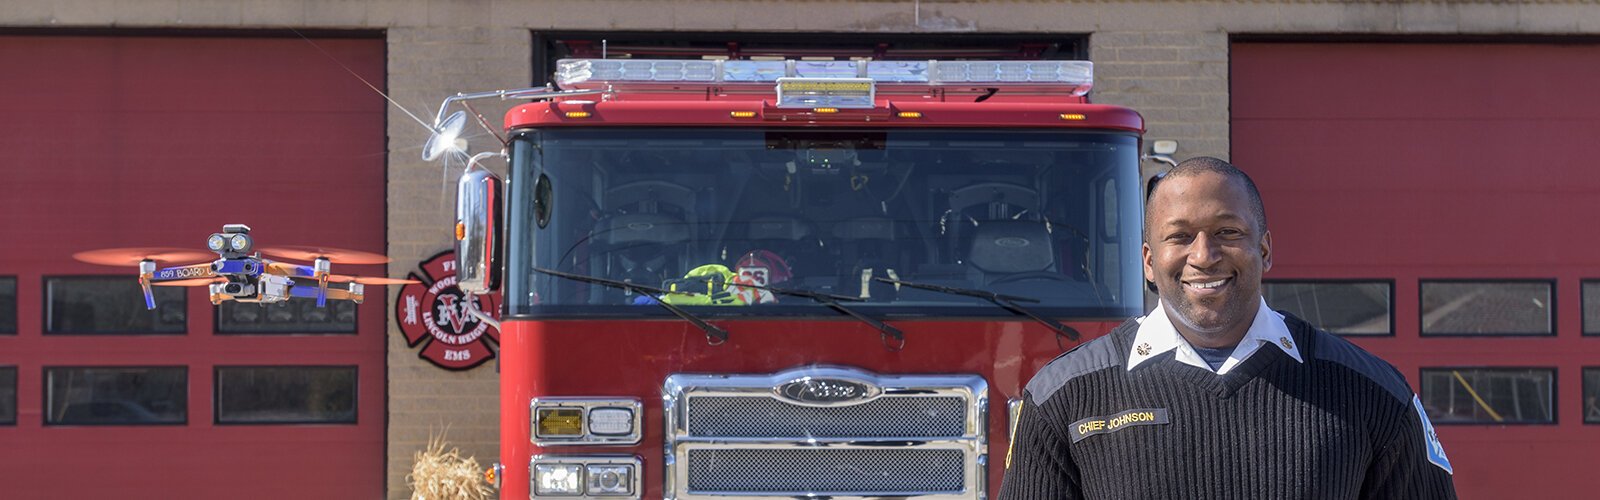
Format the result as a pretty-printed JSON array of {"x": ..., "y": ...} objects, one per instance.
[
  {"x": 601, "y": 73},
  {"x": 825, "y": 93},
  {"x": 636, "y": 70}
]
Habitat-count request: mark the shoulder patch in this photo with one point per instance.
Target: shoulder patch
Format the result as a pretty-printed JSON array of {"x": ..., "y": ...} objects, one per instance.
[
  {"x": 1332, "y": 348},
  {"x": 1098, "y": 354},
  {"x": 1435, "y": 448}
]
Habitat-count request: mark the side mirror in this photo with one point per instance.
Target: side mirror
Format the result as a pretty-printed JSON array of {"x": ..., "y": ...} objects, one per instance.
[
  {"x": 1161, "y": 151},
  {"x": 478, "y": 232}
]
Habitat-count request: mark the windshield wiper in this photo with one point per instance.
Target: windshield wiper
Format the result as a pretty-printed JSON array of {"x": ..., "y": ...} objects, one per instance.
[
  {"x": 832, "y": 301},
  {"x": 1008, "y": 302},
  {"x": 714, "y": 334}
]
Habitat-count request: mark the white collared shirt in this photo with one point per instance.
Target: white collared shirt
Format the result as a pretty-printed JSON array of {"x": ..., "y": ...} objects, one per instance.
[{"x": 1156, "y": 335}]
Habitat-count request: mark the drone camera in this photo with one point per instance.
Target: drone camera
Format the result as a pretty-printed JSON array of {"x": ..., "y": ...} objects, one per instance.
[
  {"x": 275, "y": 288},
  {"x": 238, "y": 289}
]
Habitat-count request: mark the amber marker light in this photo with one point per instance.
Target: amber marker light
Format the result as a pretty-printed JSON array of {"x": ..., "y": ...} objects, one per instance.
[
  {"x": 742, "y": 114},
  {"x": 461, "y": 231},
  {"x": 579, "y": 114},
  {"x": 824, "y": 111},
  {"x": 1077, "y": 117},
  {"x": 910, "y": 114},
  {"x": 560, "y": 422}
]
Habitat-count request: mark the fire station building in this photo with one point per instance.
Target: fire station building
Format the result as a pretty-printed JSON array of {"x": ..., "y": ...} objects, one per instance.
[{"x": 1423, "y": 165}]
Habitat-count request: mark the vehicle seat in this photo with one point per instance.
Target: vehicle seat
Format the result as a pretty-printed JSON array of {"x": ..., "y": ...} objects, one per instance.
[
  {"x": 1010, "y": 248},
  {"x": 789, "y": 237},
  {"x": 648, "y": 231},
  {"x": 977, "y": 204},
  {"x": 867, "y": 243}
]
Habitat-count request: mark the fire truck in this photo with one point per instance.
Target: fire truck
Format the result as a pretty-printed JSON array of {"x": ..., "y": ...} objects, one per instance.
[{"x": 787, "y": 278}]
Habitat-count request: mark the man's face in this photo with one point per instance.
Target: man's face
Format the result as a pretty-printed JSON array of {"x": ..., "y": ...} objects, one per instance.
[{"x": 1206, "y": 256}]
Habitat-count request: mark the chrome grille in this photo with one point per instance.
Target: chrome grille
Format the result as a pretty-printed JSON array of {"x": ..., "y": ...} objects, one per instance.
[
  {"x": 826, "y": 471},
  {"x": 887, "y": 416},
  {"x": 826, "y": 431}
]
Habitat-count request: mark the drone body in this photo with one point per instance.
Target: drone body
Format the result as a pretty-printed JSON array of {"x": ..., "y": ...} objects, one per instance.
[{"x": 241, "y": 276}]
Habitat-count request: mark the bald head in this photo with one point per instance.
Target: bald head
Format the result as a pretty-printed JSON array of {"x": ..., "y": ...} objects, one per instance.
[{"x": 1208, "y": 165}]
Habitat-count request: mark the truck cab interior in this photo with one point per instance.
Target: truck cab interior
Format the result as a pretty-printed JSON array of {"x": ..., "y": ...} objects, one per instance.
[{"x": 1041, "y": 214}]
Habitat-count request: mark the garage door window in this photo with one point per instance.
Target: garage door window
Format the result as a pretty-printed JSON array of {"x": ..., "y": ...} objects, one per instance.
[
  {"x": 116, "y": 395},
  {"x": 286, "y": 394},
  {"x": 1488, "y": 307},
  {"x": 8, "y": 305},
  {"x": 1489, "y": 395},
  {"x": 8, "y": 395},
  {"x": 1591, "y": 307},
  {"x": 299, "y": 316},
  {"x": 1339, "y": 307},
  {"x": 1591, "y": 395},
  {"x": 111, "y": 305}
]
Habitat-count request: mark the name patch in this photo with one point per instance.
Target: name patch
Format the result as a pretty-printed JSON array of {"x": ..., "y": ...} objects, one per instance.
[
  {"x": 1435, "y": 448},
  {"x": 1102, "y": 425}
]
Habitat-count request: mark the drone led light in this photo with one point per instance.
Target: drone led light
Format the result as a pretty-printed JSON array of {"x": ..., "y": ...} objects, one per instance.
[
  {"x": 446, "y": 137},
  {"x": 216, "y": 243},
  {"x": 239, "y": 243}
]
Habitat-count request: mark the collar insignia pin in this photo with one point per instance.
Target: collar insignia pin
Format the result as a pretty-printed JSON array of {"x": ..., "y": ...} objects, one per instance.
[
  {"x": 1144, "y": 349},
  {"x": 1286, "y": 343}
]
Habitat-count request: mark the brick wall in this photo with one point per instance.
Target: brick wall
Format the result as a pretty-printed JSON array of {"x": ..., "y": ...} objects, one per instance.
[
  {"x": 427, "y": 64},
  {"x": 1177, "y": 79}
]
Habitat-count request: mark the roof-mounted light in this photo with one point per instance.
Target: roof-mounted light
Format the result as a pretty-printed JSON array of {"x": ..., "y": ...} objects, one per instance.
[
  {"x": 825, "y": 94},
  {"x": 1014, "y": 71},
  {"x": 898, "y": 71},
  {"x": 1075, "y": 77},
  {"x": 749, "y": 71},
  {"x": 636, "y": 70}
]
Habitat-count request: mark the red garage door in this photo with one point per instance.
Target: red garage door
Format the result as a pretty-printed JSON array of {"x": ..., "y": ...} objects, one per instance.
[
  {"x": 120, "y": 141},
  {"x": 1434, "y": 202}
]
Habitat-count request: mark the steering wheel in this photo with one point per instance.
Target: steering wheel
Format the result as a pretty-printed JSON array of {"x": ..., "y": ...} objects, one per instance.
[{"x": 1032, "y": 275}]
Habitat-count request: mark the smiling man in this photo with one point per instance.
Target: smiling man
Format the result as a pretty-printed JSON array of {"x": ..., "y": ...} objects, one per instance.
[{"x": 1213, "y": 394}]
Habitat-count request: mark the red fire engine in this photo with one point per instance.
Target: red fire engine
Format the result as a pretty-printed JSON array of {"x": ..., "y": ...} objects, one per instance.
[{"x": 791, "y": 278}]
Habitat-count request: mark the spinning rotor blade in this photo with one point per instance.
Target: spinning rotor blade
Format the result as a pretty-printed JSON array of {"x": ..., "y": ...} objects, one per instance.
[
  {"x": 132, "y": 256},
  {"x": 368, "y": 280},
  {"x": 334, "y": 255},
  {"x": 193, "y": 282}
]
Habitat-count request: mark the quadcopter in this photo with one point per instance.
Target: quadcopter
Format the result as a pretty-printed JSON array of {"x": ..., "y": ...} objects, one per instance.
[{"x": 241, "y": 276}]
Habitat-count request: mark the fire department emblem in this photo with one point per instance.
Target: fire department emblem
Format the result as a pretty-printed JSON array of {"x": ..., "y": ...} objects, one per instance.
[{"x": 433, "y": 314}]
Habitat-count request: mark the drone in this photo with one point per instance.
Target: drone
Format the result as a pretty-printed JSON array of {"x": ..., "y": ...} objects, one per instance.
[{"x": 237, "y": 274}]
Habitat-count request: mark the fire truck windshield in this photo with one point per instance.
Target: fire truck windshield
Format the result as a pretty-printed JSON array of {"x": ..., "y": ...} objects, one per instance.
[{"x": 1051, "y": 215}]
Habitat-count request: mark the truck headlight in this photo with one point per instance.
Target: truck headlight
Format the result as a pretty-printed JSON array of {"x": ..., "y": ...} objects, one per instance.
[
  {"x": 586, "y": 476},
  {"x": 558, "y": 479},
  {"x": 610, "y": 480},
  {"x": 610, "y": 421},
  {"x": 572, "y": 421}
]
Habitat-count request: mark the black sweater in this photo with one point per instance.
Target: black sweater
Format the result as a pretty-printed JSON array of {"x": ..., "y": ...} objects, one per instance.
[{"x": 1343, "y": 424}]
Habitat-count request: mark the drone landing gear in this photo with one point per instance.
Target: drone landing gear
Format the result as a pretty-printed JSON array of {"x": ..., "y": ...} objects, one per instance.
[{"x": 147, "y": 272}]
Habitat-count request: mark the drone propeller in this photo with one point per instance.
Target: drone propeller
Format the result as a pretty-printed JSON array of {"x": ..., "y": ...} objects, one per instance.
[
  {"x": 145, "y": 258},
  {"x": 133, "y": 256},
  {"x": 190, "y": 282},
  {"x": 368, "y": 280},
  {"x": 334, "y": 255}
]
